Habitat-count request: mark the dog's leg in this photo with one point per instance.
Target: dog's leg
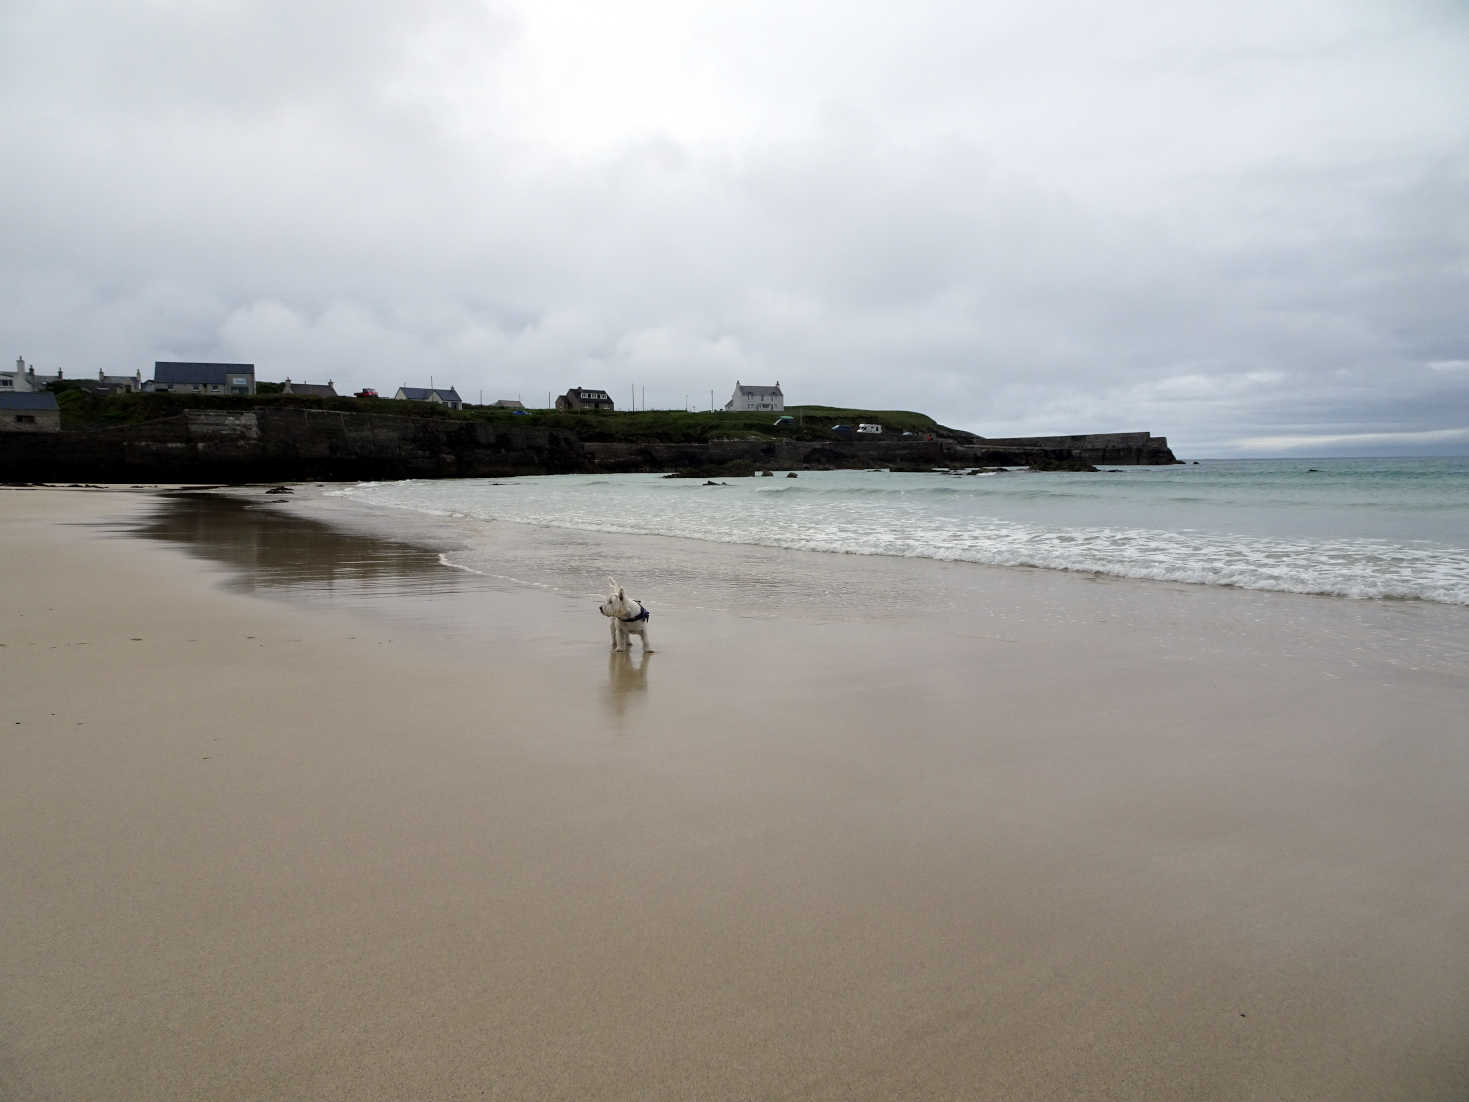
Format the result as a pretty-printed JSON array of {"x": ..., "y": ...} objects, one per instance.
[
  {"x": 646, "y": 648},
  {"x": 621, "y": 640},
  {"x": 612, "y": 627}
]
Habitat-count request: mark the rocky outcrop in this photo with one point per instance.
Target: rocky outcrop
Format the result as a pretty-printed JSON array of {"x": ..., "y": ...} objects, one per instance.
[
  {"x": 905, "y": 453},
  {"x": 1127, "y": 448}
]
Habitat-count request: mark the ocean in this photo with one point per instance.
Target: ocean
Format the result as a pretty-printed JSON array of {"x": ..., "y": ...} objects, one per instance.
[{"x": 1363, "y": 529}]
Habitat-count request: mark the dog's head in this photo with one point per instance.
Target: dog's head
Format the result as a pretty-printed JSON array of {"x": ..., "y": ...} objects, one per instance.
[{"x": 616, "y": 603}]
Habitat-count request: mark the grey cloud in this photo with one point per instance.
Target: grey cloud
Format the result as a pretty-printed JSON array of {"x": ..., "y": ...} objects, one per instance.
[{"x": 1222, "y": 225}]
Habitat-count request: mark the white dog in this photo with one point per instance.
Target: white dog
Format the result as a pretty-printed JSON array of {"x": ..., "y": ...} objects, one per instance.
[{"x": 628, "y": 618}]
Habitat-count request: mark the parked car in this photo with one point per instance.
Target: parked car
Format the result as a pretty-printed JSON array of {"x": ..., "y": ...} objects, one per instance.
[
  {"x": 779, "y": 421},
  {"x": 365, "y": 392},
  {"x": 842, "y": 430},
  {"x": 870, "y": 430}
]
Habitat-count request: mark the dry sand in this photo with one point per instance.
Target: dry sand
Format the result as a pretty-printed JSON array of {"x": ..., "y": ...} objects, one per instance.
[{"x": 251, "y": 850}]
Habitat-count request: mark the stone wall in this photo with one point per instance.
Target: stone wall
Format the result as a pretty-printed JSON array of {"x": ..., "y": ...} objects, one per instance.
[{"x": 30, "y": 421}]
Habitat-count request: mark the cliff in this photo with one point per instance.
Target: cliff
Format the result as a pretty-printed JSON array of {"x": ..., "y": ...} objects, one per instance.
[{"x": 303, "y": 444}]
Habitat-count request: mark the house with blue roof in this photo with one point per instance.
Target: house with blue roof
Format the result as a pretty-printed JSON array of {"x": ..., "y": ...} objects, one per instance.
[{"x": 29, "y": 412}]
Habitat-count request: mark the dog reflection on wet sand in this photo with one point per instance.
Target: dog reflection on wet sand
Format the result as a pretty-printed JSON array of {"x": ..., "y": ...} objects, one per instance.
[{"x": 626, "y": 678}]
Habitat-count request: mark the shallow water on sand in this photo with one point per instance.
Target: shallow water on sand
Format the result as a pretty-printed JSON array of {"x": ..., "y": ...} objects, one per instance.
[
  {"x": 327, "y": 550},
  {"x": 1374, "y": 529}
]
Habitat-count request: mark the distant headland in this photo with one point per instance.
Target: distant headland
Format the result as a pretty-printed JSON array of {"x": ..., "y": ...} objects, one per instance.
[{"x": 136, "y": 436}]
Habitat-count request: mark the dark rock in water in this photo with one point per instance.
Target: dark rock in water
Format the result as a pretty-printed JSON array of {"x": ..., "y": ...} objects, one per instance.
[
  {"x": 280, "y": 490},
  {"x": 767, "y": 474},
  {"x": 711, "y": 482},
  {"x": 792, "y": 474},
  {"x": 1313, "y": 470},
  {"x": 1060, "y": 463}
]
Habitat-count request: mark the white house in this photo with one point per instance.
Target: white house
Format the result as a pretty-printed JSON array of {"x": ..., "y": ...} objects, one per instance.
[
  {"x": 24, "y": 380},
  {"x": 17, "y": 381},
  {"x": 759, "y": 398},
  {"x": 443, "y": 397}
]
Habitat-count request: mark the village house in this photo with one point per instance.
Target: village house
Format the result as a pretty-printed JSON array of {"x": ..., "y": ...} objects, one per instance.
[
  {"x": 309, "y": 390},
  {"x": 757, "y": 398},
  {"x": 117, "y": 384},
  {"x": 19, "y": 381},
  {"x": 449, "y": 398},
  {"x": 24, "y": 380},
  {"x": 582, "y": 398},
  {"x": 182, "y": 377},
  {"x": 509, "y": 403},
  {"x": 29, "y": 412}
]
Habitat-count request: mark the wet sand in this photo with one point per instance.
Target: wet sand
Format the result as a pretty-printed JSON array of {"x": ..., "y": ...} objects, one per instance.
[{"x": 407, "y": 834}]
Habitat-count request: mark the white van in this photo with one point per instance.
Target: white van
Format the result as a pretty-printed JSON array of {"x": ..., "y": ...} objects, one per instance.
[{"x": 876, "y": 430}]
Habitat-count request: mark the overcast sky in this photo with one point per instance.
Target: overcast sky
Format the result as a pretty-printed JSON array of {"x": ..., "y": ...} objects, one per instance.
[{"x": 1242, "y": 225}]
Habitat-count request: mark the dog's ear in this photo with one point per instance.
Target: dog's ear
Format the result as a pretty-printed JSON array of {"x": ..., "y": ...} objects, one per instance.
[
  {"x": 612, "y": 583},
  {"x": 621, "y": 596}
]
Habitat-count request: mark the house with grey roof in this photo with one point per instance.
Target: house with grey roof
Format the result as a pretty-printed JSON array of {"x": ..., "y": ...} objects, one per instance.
[
  {"x": 309, "y": 390},
  {"x": 449, "y": 398},
  {"x": 579, "y": 397},
  {"x": 116, "y": 384},
  {"x": 29, "y": 412},
  {"x": 183, "y": 377},
  {"x": 758, "y": 398}
]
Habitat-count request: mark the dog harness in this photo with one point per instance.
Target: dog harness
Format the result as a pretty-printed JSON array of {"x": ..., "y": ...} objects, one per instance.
[{"x": 643, "y": 614}]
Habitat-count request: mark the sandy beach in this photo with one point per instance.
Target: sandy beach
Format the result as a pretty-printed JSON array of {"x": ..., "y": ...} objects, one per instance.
[{"x": 1075, "y": 839}]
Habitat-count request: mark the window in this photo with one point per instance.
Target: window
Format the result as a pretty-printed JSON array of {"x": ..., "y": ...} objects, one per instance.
[{"x": 26, "y": 418}]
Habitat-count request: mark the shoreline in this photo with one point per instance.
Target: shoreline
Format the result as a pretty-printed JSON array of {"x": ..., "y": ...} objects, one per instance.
[{"x": 434, "y": 841}]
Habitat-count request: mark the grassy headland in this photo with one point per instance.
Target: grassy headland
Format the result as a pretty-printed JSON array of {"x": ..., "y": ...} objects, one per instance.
[{"x": 82, "y": 410}]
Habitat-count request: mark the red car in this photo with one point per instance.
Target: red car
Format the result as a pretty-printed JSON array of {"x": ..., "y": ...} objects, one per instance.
[{"x": 366, "y": 392}]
